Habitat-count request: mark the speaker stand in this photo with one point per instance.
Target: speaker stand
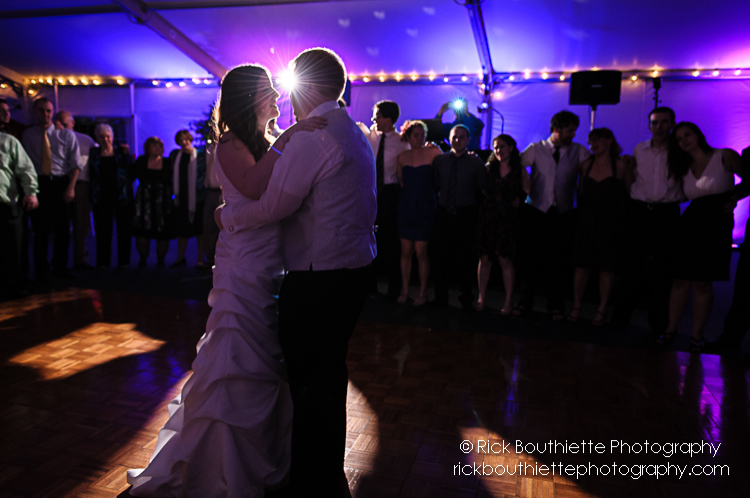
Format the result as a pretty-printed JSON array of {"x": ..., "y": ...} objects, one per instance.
[{"x": 593, "y": 116}]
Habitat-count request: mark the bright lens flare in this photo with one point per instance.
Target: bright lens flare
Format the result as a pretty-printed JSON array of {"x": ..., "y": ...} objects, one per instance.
[
  {"x": 288, "y": 81},
  {"x": 458, "y": 104}
]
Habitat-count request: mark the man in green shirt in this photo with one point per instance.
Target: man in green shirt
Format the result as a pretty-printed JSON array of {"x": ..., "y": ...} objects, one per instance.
[{"x": 16, "y": 169}]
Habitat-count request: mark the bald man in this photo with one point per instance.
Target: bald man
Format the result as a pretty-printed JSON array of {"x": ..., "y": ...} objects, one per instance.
[{"x": 82, "y": 205}]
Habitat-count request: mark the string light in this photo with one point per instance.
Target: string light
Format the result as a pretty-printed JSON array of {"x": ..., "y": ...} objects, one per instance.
[
  {"x": 33, "y": 82},
  {"x": 527, "y": 74},
  {"x": 155, "y": 83},
  {"x": 498, "y": 94},
  {"x": 696, "y": 73},
  {"x": 398, "y": 76},
  {"x": 446, "y": 79},
  {"x": 3, "y": 86},
  {"x": 169, "y": 84},
  {"x": 73, "y": 81},
  {"x": 634, "y": 77},
  {"x": 61, "y": 81},
  {"x": 432, "y": 77},
  {"x": 84, "y": 81},
  {"x": 381, "y": 78},
  {"x": 32, "y": 91},
  {"x": 737, "y": 72},
  {"x": 545, "y": 76},
  {"x": 414, "y": 76},
  {"x": 715, "y": 73},
  {"x": 464, "y": 78},
  {"x": 120, "y": 81},
  {"x": 183, "y": 84},
  {"x": 49, "y": 81},
  {"x": 365, "y": 79},
  {"x": 196, "y": 81},
  {"x": 96, "y": 81},
  {"x": 562, "y": 77},
  {"x": 206, "y": 82},
  {"x": 655, "y": 74}
]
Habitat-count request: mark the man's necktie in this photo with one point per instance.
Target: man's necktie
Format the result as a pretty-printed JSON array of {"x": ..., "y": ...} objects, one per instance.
[
  {"x": 556, "y": 154},
  {"x": 380, "y": 162},
  {"x": 46, "y": 155}
]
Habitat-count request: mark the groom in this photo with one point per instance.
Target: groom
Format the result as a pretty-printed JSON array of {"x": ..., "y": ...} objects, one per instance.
[{"x": 323, "y": 190}]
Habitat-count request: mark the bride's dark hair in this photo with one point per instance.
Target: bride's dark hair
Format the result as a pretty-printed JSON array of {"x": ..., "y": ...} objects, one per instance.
[{"x": 235, "y": 110}]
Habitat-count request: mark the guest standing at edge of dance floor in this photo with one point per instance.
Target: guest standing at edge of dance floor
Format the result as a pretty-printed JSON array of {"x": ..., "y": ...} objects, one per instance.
[
  {"x": 189, "y": 170},
  {"x": 56, "y": 157},
  {"x": 386, "y": 144},
  {"x": 154, "y": 206},
  {"x": 602, "y": 186},
  {"x": 703, "y": 250},
  {"x": 653, "y": 213},
  {"x": 548, "y": 228},
  {"x": 111, "y": 178},
  {"x": 82, "y": 204},
  {"x": 508, "y": 184},
  {"x": 738, "y": 317},
  {"x": 416, "y": 209},
  {"x": 460, "y": 178}
]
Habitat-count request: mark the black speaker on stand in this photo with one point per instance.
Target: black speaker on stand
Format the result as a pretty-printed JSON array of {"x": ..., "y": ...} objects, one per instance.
[{"x": 595, "y": 88}]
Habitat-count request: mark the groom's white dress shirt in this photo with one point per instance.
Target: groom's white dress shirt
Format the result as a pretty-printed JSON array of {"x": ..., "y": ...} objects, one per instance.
[{"x": 323, "y": 191}]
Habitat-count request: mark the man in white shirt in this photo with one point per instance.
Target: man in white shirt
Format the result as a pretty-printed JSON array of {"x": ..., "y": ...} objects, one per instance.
[
  {"x": 653, "y": 214},
  {"x": 550, "y": 224},
  {"x": 324, "y": 190},
  {"x": 386, "y": 144},
  {"x": 56, "y": 158},
  {"x": 82, "y": 205}
]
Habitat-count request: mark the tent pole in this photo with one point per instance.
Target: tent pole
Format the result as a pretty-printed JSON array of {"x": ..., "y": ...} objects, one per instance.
[
  {"x": 169, "y": 32},
  {"x": 483, "y": 48},
  {"x": 134, "y": 138}
]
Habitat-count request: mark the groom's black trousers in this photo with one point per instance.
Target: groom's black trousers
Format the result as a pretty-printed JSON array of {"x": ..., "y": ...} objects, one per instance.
[{"x": 317, "y": 314}]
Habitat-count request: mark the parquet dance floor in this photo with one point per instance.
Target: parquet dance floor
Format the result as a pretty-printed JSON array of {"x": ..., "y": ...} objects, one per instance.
[{"x": 86, "y": 375}]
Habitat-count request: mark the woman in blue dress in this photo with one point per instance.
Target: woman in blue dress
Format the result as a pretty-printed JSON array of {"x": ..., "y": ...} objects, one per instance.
[{"x": 416, "y": 209}]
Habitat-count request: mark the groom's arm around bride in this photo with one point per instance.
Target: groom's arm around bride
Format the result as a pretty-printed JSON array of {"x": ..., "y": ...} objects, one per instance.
[{"x": 323, "y": 192}]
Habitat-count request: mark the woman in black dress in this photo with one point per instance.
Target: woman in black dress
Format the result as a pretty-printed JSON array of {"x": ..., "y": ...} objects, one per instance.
[
  {"x": 704, "y": 233},
  {"x": 603, "y": 184},
  {"x": 153, "y": 202},
  {"x": 508, "y": 184},
  {"x": 416, "y": 207},
  {"x": 111, "y": 178},
  {"x": 189, "y": 175}
]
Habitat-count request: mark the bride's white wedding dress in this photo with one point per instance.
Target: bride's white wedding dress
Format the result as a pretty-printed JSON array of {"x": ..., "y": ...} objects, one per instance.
[{"x": 229, "y": 432}]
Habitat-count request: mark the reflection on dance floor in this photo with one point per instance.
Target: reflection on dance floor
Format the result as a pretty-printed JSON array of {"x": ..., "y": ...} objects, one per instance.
[{"x": 86, "y": 376}]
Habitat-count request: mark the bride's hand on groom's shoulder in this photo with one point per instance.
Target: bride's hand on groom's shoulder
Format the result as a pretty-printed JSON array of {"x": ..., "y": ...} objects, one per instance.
[{"x": 310, "y": 124}]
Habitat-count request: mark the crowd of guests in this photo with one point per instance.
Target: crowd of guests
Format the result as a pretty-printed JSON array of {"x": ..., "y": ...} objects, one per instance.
[
  {"x": 552, "y": 213},
  {"x": 53, "y": 177},
  {"x": 557, "y": 212}
]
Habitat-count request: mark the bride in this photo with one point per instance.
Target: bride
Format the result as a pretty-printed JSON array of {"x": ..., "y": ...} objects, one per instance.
[{"x": 229, "y": 431}]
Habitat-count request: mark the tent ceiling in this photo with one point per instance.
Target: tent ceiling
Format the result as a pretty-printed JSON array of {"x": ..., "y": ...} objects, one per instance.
[{"x": 386, "y": 35}]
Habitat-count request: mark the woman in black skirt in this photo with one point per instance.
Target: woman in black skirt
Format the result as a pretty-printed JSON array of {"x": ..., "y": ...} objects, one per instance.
[
  {"x": 189, "y": 195},
  {"x": 153, "y": 202},
  {"x": 705, "y": 230}
]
